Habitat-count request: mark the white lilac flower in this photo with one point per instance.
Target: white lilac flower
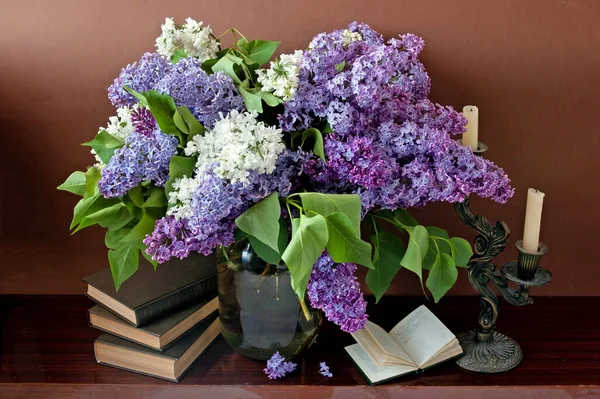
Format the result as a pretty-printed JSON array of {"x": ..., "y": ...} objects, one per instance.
[
  {"x": 166, "y": 42},
  {"x": 181, "y": 196},
  {"x": 236, "y": 145},
  {"x": 282, "y": 77},
  {"x": 120, "y": 125},
  {"x": 191, "y": 37},
  {"x": 349, "y": 37}
]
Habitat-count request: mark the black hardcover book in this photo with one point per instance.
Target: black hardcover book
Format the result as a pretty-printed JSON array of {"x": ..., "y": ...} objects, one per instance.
[
  {"x": 150, "y": 294},
  {"x": 159, "y": 334},
  {"x": 170, "y": 365}
]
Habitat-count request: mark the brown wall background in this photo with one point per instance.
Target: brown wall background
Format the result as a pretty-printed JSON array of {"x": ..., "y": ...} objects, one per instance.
[{"x": 532, "y": 67}]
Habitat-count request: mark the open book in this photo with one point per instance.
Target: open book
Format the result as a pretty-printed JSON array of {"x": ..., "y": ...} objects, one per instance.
[{"x": 417, "y": 342}]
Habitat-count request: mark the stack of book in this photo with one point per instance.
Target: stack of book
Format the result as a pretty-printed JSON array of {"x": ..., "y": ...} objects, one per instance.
[{"x": 159, "y": 322}]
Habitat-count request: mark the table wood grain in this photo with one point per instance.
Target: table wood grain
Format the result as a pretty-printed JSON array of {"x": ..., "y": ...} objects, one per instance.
[{"x": 46, "y": 351}]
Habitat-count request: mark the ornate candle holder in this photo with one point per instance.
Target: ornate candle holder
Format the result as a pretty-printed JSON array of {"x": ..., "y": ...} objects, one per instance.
[{"x": 485, "y": 349}]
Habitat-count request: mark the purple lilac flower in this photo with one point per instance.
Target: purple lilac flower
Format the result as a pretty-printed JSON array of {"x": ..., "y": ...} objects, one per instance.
[
  {"x": 390, "y": 144},
  {"x": 143, "y": 121},
  {"x": 205, "y": 95},
  {"x": 141, "y": 158},
  {"x": 142, "y": 75},
  {"x": 324, "y": 370},
  {"x": 215, "y": 205},
  {"x": 277, "y": 367},
  {"x": 335, "y": 290}
]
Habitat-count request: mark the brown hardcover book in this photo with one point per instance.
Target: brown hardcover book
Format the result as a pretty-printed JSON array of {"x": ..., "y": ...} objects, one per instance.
[
  {"x": 170, "y": 365},
  {"x": 150, "y": 294},
  {"x": 159, "y": 334}
]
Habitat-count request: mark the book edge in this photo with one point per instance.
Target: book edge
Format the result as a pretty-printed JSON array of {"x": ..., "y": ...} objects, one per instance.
[
  {"x": 157, "y": 299},
  {"x": 160, "y": 377}
]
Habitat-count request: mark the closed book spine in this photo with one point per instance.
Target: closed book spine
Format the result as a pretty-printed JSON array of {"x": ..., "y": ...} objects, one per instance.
[{"x": 184, "y": 296}]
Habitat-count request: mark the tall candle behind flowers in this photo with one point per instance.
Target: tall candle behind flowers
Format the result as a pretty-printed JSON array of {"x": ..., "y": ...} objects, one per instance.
[
  {"x": 470, "y": 137},
  {"x": 533, "y": 220}
]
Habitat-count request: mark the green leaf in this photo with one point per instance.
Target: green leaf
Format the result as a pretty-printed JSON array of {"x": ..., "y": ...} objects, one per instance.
[
  {"x": 89, "y": 205},
  {"x": 113, "y": 217},
  {"x": 163, "y": 108},
  {"x": 432, "y": 254},
  {"x": 157, "y": 198},
  {"x": 226, "y": 65},
  {"x": 180, "y": 123},
  {"x": 132, "y": 208},
  {"x": 253, "y": 102},
  {"x": 343, "y": 244},
  {"x": 418, "y": 245},
  {"x": 390, "y": 250},
  {"x": 461, "y": 251},
  {"x": 179, "y": 54},
  {"x": 143, "y": 101},
  {"x": 124, "y": 262},
  {"x": 265, "y": 252},
  {"x": 179, "y": 167},
  {"x": 105, "y": 145},
  {"x": 317, "y": 137},
  {"x": 137, "y": 234},
  {"x": 443, "y": 241},
  {"x": 261, "y": 221},
  {"x": 74, "y": 184},
  {"x": 403, "y": 217},
  {"x": 442, "y": 276},
  {"x": 241, "y": 44},
  {"x": 136, "y": 195},
  {"x": 92, "y": 175},
  {"x": 305, "y": 247},
  {"x": 149, "y": 259},
  {"x": 113, "y": 238},
  {"x": 270, "y": 99},
  {"x": 208, "y": 64},
  {"x": 327, "y": 128},
  {"x": 340, "y": 67},
  {"x": 325, "y": 204},
  {"x": 295, "y": 225},
  {"x": 193, "y": 126},
  {"x": 261, "y": 51}
]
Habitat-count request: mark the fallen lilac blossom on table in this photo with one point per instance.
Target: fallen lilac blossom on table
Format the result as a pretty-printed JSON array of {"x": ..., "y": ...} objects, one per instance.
[
  {"x": 324, "y": 370},
  {"x": 277, "y": 367}
]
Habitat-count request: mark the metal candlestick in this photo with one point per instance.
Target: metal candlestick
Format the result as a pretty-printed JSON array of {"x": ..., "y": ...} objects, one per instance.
[{"x": 485, "y": 349}]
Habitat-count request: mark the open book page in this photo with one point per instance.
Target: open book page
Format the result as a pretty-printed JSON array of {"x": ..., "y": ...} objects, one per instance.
[
  {"x": 373, "y": 372},
  {"x": 422, "y": 335},
  {"x": 380, "y": 346},
  {"x": 452, "y": 349}
]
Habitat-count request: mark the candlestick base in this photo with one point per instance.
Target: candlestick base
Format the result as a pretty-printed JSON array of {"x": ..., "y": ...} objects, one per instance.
[{"x": 493, "y": 352}]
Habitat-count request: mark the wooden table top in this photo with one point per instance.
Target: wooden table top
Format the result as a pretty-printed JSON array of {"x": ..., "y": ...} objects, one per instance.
[{"x": 46, "y": 350}]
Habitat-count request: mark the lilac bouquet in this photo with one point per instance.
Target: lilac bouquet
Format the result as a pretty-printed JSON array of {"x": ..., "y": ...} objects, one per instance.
[{"x": 213, "y": 144}]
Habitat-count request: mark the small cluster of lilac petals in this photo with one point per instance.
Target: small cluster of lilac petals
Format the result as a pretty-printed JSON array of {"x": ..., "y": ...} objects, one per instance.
[
  {"x": 205, "y": 95},
  {"x": 143, "y": 121},
  {"x": 335, "y": 290},
  {"x": 141, "y": 158},
  {"x": 277, "y": 367},
  {"x": 142, "y": 75},
  {"x": 324, "y": 370}
]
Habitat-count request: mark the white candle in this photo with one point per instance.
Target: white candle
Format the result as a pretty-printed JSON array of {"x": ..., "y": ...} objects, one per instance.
[
  {"x": 470, "y": 137},
  {"x": 533, "y": 220}
]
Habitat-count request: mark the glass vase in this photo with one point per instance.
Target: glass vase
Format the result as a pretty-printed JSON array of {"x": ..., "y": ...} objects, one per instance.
[{"x": 259, "y": 311}]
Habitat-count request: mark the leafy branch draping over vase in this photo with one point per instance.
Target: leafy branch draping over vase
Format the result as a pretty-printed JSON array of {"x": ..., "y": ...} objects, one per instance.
[{"x": 212, "y": 145}]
